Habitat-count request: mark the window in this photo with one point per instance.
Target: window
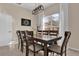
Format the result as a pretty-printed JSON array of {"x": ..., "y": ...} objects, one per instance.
[{"x": 50, "y": 21}]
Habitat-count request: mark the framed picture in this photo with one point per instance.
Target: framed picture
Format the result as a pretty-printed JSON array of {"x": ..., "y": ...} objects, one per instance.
[{"x": 25, "y": 22}]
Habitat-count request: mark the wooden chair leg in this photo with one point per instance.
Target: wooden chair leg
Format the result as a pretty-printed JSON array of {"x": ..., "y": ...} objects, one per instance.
[
  {"x": 27, "y": 50},
  {"x": 53, "y": 53},
  {"x": 65, "y": 50},
  {"x": 22, "y": 47},
  {"x": 65, "y": 53},
  {"x": 18, "y": 44},
  {"x": 34, "y": 54},
  {"x": 61, "y": 54}
]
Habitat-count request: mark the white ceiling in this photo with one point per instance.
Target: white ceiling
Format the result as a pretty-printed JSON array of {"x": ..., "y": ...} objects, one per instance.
[{"x": 31, "y": 6}]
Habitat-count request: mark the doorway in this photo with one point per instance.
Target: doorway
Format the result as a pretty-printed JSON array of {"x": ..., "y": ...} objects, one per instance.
[{"x": 5, "y": 29}]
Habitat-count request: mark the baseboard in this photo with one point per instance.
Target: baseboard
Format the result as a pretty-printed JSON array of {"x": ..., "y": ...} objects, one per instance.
[
  {"x": 74, "y": 49},
  {"x": 13, "y": 42},
  {"x": 4, "y": 45}
]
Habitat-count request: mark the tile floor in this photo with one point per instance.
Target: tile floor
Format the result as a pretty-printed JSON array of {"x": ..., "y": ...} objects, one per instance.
[{"x": 13, "y": 51}]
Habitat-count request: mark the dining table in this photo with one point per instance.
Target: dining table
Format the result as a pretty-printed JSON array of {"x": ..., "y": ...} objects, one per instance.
[{"x": 45, "y": 40}]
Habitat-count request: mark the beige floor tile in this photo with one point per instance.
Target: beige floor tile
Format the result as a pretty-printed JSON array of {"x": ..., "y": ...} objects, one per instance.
[{"x": 14, "y": 51}]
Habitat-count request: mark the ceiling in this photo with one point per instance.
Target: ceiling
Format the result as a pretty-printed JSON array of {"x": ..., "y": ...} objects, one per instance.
[{"x": 31, "y": 6}]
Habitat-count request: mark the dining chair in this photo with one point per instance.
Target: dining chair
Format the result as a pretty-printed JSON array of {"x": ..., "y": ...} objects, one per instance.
[
  {"x": 61, "y": 49},
  {"x": 18, "y": 32},
  {"x": 53, "y": 33},
  {"x": 30, "y": 44},
  {"x": 35, "y": 47}
]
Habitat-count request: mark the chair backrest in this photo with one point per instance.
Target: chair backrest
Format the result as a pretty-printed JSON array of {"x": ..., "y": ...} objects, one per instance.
[
  {"x": 54, "y": 32},
  {"x": 23, "y": 35},
  {"x": 29, "y": 33},
  {"x": 67, "y": 35},
  {"x": 18, "y": 34}
]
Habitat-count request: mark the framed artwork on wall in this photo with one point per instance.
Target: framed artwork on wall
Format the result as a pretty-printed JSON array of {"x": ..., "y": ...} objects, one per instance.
[{"x": 25, "y": 22}]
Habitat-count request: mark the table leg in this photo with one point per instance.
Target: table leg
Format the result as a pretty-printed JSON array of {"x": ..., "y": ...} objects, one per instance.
[{"x": 45, "y": 49}]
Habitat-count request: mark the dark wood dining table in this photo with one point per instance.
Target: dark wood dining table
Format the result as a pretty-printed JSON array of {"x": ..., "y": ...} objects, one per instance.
[{"x": 46, "y": 39}]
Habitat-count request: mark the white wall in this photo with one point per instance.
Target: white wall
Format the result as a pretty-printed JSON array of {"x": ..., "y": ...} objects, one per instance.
[
  {"x": 54, "y": 8},
  {"x": 73, "y": 12},
  {"x": 17, "y": 13}
]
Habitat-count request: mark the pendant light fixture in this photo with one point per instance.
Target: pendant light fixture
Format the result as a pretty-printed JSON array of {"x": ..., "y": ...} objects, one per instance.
[{"x": 38, "y": 9}]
